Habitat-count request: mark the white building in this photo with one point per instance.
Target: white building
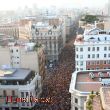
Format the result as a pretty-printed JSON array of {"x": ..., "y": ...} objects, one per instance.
[
  {"x": 18, "y": 83},
  {"x": 84, "y": 82},
  {"x": 92, "y": 50}
]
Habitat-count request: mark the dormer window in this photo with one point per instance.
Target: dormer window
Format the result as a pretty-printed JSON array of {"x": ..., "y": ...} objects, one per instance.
[
  {"x": 54, "y": 27},
  {"x": 50, "y": 32}
]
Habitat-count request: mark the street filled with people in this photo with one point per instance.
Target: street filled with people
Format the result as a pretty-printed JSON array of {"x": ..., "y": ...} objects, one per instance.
[{"x": 56, "y": 84}]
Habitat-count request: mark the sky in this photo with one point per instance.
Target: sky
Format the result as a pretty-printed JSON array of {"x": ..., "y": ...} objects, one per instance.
[{"x": 14, "y": 4}]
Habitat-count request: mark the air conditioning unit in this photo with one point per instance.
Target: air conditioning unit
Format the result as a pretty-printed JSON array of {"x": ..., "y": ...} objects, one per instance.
[
  {"x": 91, "y": 75},
  {"x": 100, "y": 74}
]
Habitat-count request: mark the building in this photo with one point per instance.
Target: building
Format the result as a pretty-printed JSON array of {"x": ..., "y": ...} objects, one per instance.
[
  {"x": 51, "y": 37},
  {"x": 92, "y": 50},
  {"x": 83, "y": 82},
  {"x": 10, "y": 30},
  {"x": 5, "y": 39},
  {"x": 25, "y": 29},
  {"x": 16, "y": 85},
  {"x": 100, "y": 101},
  {"x": 25, "y": 55}
]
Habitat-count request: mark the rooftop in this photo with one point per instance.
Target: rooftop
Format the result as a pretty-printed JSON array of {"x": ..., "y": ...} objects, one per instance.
[
  {"x": 94, "y": 35},
  {"x": 14, "y": 74},
  {"x": 87, "y": 81},
  {"x": 105, "y": 97}
]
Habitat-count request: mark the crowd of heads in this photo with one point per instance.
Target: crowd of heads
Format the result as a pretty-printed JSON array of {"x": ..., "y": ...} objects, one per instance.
[{"x": 56, "y": 84}]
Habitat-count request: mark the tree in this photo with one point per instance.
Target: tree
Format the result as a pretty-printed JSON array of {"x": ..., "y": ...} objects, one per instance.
[
  {"x": 89, "y": 107},
  {"x": 92, "y": 92},
  {"x": 91, "y": 96},
  {"x": 90, "y": 18},
  {"x": 97, "y": 93}
]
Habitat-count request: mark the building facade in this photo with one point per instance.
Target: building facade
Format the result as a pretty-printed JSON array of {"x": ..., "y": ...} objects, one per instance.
[
  {"x": 84, "y": 82},
  {"x": 10, "y": 30},
  {"x": 50, "y": 37},
  {"x": 18, "y": 55},
  {"x": 16, "y": 85},
  {"x": 92, "y": 50}
]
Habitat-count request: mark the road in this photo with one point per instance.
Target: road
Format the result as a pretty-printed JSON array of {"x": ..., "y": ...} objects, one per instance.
[{"x": 56, "y": 84}]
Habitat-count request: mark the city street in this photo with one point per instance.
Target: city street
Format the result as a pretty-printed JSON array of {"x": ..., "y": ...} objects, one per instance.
[{"x": 56, "y": 84}]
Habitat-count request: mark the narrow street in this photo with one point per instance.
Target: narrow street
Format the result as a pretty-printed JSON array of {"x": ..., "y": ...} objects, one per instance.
[{"x": 56, "y": 84}]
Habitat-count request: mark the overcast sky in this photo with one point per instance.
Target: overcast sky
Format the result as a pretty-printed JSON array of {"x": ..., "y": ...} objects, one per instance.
[{"x": 14, "y": 4}]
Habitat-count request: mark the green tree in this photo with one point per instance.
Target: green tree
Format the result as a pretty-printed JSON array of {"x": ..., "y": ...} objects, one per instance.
[
  {"x": 89, "y": 107},
  {"x": 97, "y": 93},
  {"x": 90, "y": 18}
]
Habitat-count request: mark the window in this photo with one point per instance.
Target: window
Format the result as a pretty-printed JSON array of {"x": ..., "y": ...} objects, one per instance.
[
  {"x": 105, "y": 48},
  {"x": 105, "y": 55},
  {"x": 17, "y": 62},
  {"x": 109, "y": 48},
  {"x": 17, "y": 57},
  {"x": 27, "y": 94},
  {"x": 76, "y": 100},
  {"x": 76, "y": 49},
  {"x": 109, "y": 55},
  {"x": 81, "y": 63},
  {"x": 97, "y": 68},
  {"x": 88, "y": 48},
  {"x": 22, "y": 94},
  {"x": 77, "y": 56},
  {"x": 11, "y": 51},
  {"x": 105, "y": 62},
  {"x": 76, "y": 108},
  {"x": 81, "y": 49},
  {"x": 108, "y": 61},
  {"x": 77, "y": 62},
  {"x": 17, "y": 50},
  {"x": 81, "y": 68},
  {"x": 13, "y": 93},
  {"x": 93, "y": 55},
  {"x": 98, "y": 62},
  {"x": 4, "y": 93},
  {"x": 97, "y": 48},
  {"x": 93, "y": 49},
  {"x": 81, "y": 56},
  {"x": 88, "y": 56},
  {"x": 88, "y": 63},
  {"x": 97, "y": 55}
]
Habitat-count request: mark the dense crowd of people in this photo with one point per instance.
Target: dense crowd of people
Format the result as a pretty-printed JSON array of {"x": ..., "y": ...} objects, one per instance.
[{"x": 56, "y": 85}]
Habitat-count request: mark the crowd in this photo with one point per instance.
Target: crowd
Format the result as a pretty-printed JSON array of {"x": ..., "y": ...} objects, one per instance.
[{"x": 56, "y": 85}]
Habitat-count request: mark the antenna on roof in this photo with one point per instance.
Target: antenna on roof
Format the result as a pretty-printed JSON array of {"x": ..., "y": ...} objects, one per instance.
[{"x": 100, "y": 74}]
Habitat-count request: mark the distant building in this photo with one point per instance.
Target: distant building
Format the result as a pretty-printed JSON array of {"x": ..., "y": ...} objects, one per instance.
[
  {"x": 92, "y": 50},
  {"x": 84, "y": 82},
  {"x": 18, "y": 55},
  {"x": 10, "y": 30},
  {"x": 5, "y": 39},
  {"x": 51, "y": 37},
  {"x": 25, "y": 29},
  {"x": 19, "y": 84}
]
